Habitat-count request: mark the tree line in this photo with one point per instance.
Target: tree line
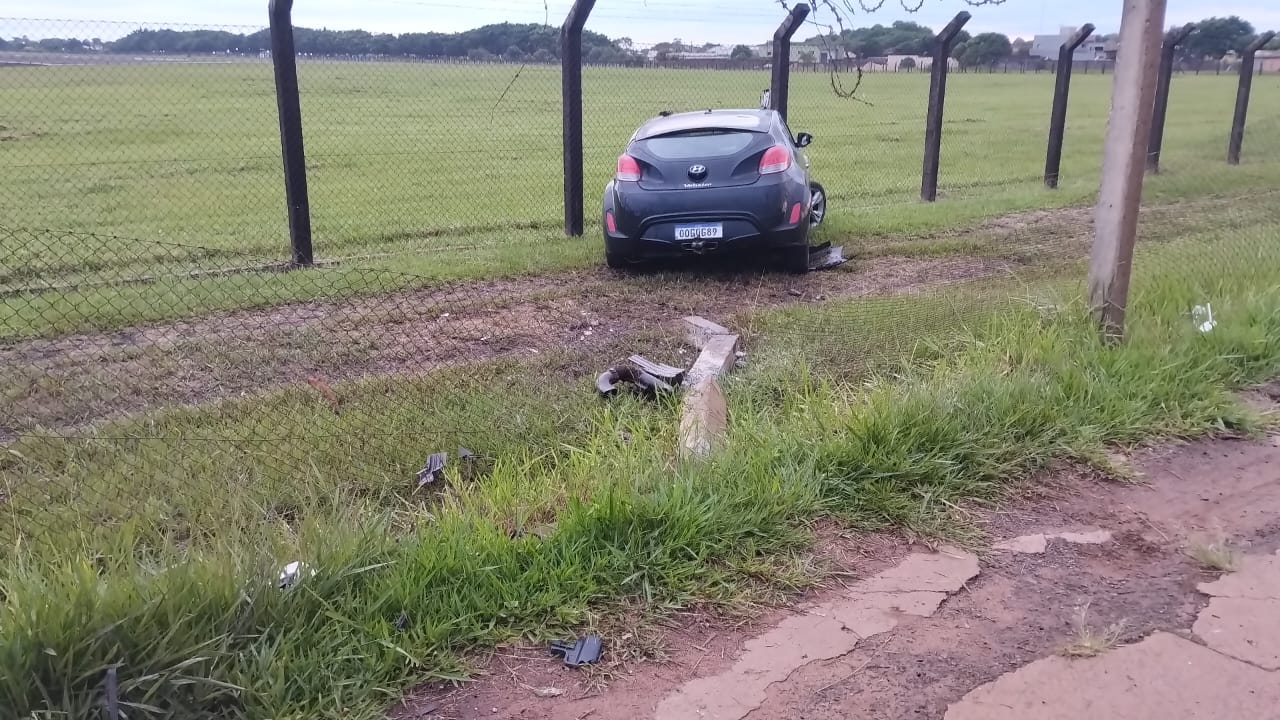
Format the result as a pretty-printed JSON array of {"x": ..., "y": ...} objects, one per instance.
[
  {"x": 1214, "y": 39},
  {"x": 510, "y": 41}
]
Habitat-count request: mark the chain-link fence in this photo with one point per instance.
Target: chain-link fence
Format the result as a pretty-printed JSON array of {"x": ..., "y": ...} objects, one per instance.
[{"x": 171, "y": 385}]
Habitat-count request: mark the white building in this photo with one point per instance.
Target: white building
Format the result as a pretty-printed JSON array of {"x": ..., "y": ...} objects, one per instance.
[{"x": 1047, "y": 46}]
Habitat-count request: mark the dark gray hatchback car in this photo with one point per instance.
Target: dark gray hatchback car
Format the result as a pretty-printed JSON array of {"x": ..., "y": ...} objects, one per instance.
[{"x": 716, "y": 182}]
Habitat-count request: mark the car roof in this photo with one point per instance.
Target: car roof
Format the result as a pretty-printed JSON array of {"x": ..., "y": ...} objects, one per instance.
[{"x": 753, "y": 120}]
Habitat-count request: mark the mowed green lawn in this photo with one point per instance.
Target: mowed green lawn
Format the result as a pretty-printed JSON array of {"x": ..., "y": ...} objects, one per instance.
[{"x": 419, "y": 160}]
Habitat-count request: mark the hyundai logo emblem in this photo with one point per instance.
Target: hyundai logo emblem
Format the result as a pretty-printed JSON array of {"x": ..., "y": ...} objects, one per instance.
[{"x": 697, "y": 172}]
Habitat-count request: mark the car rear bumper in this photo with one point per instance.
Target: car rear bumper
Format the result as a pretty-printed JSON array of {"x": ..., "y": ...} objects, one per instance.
[
  {"x": 652, "y": 248},
  {"x": 645, "y": 222}
]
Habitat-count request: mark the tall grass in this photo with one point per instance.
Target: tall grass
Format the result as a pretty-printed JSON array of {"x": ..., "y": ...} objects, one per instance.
[{"x": 548, "y": 544}]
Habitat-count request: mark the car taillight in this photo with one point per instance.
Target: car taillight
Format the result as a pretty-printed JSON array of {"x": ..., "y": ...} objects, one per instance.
[
  {"x": 610, "y": 223},
  {"x": 628, "y": 169},
  {"x": 795, "y": 212},
  {"x": 775, "y": 160}
]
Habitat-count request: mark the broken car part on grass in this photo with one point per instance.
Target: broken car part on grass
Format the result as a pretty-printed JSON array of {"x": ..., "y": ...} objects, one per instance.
[
  {"x": 583, "y": 651},
  {"x": 433, "y": 467},
  {"x": 610, "y": 380}
]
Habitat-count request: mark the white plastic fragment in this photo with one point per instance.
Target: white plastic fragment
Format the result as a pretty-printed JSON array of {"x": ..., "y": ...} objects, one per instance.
[
  {"x": 293, "y": 572},
  {"x": 1202, "y": 315}
]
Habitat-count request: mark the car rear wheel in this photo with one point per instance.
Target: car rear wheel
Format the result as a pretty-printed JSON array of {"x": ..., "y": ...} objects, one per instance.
[{"x": 818, "y": 205}]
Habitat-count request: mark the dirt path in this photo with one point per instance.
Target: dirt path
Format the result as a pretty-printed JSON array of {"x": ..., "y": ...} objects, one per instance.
[
  {"x": 72, "y": 381},
  {"x": 1089, "y": 564}
]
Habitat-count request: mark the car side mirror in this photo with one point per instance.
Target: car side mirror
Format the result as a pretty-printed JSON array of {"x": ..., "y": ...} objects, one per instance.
[{"x": 803, "y": 140}]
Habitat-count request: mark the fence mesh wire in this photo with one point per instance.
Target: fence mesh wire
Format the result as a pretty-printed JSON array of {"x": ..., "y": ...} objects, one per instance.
[{"x": 166, "y": 377}]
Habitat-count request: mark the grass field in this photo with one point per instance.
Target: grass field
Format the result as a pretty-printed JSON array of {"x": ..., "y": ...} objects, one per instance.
[
  {"x": 423, "y": 161},
  {"x": 170, "y": 459}
]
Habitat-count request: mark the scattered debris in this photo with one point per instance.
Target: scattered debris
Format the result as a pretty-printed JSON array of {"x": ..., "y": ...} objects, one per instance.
[
  {"x": 584, "y": 650},
  {"x": 794, "y": 292},
  {"x": 111, "y": 691},
  {"x": 544, "y": 692},
  {"x": 330, "y": 396},
  {"x": 666, "y": 373},
  {"x": 431, "y": 468},
  {"x": 1202, "y": 315},
  {"x": 825, "y": 257},
  {"x": 292, "y": 573},
  {"x": 609, "y": 380}
]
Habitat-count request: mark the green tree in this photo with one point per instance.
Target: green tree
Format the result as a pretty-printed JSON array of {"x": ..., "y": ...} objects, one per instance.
[
  {"x": 1215, "y": 37},
  {"x": 907, "y": 63},
  {"x": 808, "y": 57},
  {"x": 741, "y": 52},
  {"x": 494, "y": 40},
  {"x": 513, "y": 54},
  {"x": 543, "y": 55},
  {"x": 985, "y": 49},
  {"x": 4, "y": 44}
]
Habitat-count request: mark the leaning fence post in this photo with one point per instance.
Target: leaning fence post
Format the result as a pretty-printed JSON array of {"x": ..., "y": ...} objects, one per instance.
[
  {"x": 1058, "y": 117},
  {"x": 1242, "y": 96},
  {"x": 571, "y": 109},
  {"x": 1171, "y": 42},
  {"x": 780, "y": 80},
  {"x": 937, "y": 97},
  {"x": 290, "y": 111}
]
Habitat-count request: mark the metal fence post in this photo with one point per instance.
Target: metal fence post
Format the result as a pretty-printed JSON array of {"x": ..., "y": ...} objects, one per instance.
[
  {"x": 290, "y": 111},
  {"x": 780, "y": 81},
  {"x": 571, "y": 109},
  {"x": 1058, "y": 117},
  {"x": 937, "y": 97},
  {"x": 1167, "y": 50},
  {"x": 1242, "y": 96}
]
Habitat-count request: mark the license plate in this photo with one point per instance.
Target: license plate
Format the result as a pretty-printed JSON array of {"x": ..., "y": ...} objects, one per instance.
[{"x": 699, "y": 232}]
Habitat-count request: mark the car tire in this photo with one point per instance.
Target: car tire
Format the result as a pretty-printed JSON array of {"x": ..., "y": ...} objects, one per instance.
[{"x": 818, "y": 207}]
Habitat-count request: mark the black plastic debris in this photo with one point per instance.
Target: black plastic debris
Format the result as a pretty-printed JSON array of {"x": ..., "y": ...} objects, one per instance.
[
  {"x": 584, "y": 650},
  {"x": 402, "y": 620},
  {"x": 431, "y": 468},
  {"x": 666, "y": 373},
  {"x": 111, "y": 692},
  {"x": 825, "y": 257},
  {"x": 611, "y": 379}
]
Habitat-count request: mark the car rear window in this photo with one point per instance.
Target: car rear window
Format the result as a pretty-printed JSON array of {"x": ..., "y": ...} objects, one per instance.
[{"x": 704, "y": 142}]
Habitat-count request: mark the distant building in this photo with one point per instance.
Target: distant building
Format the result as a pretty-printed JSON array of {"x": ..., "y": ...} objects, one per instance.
[
  {"x": 717, "y": 52},
  {"x": 1267, "y": 61},
  {"x": 822, "y": 53},
  {"x": 894, "y": 63},
  {"x": 1047, "y": 46}
]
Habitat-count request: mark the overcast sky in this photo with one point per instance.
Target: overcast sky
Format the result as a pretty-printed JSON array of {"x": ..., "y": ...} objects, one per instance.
[{"x": 645, "y": 21}]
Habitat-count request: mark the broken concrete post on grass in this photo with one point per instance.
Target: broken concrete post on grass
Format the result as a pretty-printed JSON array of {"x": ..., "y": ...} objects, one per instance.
[
  {"x": 704, "y": 417},
  {"x": 699, "y": 330}
]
